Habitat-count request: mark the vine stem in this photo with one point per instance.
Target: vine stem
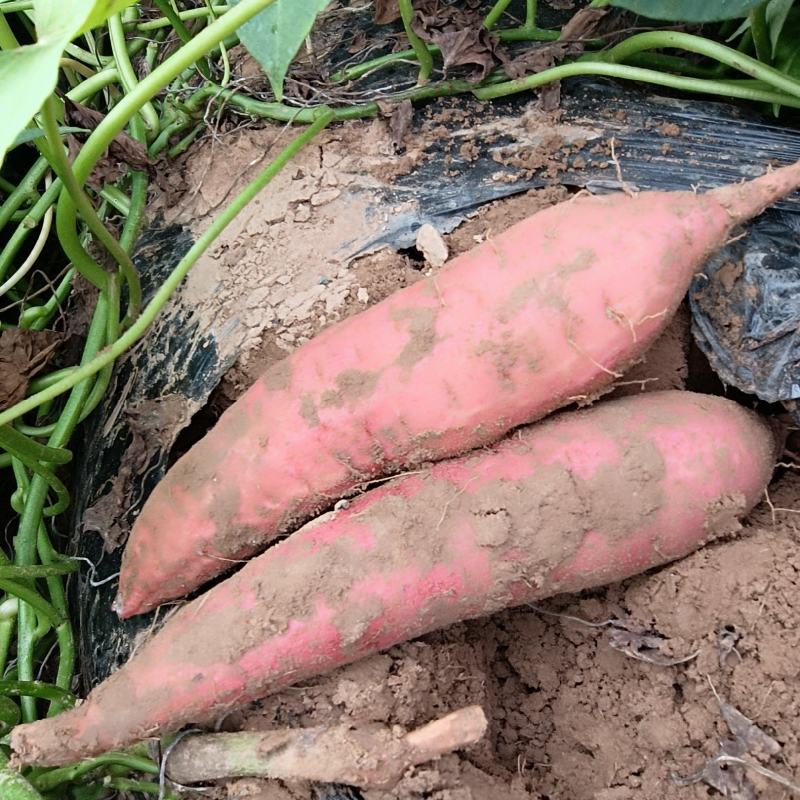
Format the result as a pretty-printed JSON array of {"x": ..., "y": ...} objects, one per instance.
[
  {"x": 25, "y": 189},
  {"x": 33, "y": 599},
  {"x": 117, "y": 118},
  {"x": 66, "y": 232},
  {"x": 33, "y": 256},
  {"x": 653, "y": 40},
  {"x": 47, "y": 781},
  {"x": 28, "y": 224},
  {"x": 424, "y": 57},
  {"x": 127, "y": 76},
  {"x": 530, "y": 13},
  {"x": 45, "y": 691},
  {"x": 160, "y": 77},
  {"x": 27, "y": 538},
  {"x": 495, "y": 12},
  {"x": 14, "y": 787},
  {"x": 284, "y": 113},
  {"x": 625, "y": 72},
  {"x": 190, "y": 13},
  {"x": 37, "y": 571},
  {"x": 109, "y": 354}
]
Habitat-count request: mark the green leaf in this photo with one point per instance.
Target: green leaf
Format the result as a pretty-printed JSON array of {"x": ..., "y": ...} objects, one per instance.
[
  {"x": 28, "y": 74},
  {"x": 777, "y": 12},
  {"x": 689, "y": 10},
  {"x": 274, "y": 35}
]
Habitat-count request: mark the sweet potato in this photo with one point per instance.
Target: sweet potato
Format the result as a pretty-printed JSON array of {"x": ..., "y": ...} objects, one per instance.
[
  {"x": 550, "y": 310},
  {"x": 585, "y": 498}
]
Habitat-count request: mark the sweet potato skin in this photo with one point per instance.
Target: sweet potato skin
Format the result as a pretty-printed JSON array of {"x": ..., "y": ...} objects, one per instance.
[
  {"x": 579, "y": 500},
  {"x": 550, "y": 310}
]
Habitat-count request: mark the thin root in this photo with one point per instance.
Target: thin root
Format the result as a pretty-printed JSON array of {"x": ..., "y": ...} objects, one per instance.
[
  {"x": 615, "y": 161},
  {"x": 608, "y": 371}
]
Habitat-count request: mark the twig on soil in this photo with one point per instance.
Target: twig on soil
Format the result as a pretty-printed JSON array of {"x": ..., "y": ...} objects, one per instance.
[{"x": 735, "y": 238}]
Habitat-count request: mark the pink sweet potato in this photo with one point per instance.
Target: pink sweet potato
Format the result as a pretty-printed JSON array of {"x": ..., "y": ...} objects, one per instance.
[
  {"x": 585, "y": 498},
  {"x": 551, "y": 310}
]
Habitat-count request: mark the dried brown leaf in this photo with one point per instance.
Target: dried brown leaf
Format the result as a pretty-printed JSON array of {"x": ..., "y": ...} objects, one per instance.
[
  {"x": 730, "y": 781},
  {"x": 81, "y": 116},
  {"x": 642, "y": 644},
  {"x": 727, "y": 771},
  {"x": 123, "y": 148},
  {"x": 537, "y": 59},
  {"x": 23, "y": 353},
  {"x": 400, "y": 123},
  {"x": 431, "y": 15},
  {"x": 550, "y": 96},
  {"x": 465, "y": 46},
  {"x": 357, "y": 43},
  {"x": 385, "y": 11},
  {"x": 583, "y": 24}
]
